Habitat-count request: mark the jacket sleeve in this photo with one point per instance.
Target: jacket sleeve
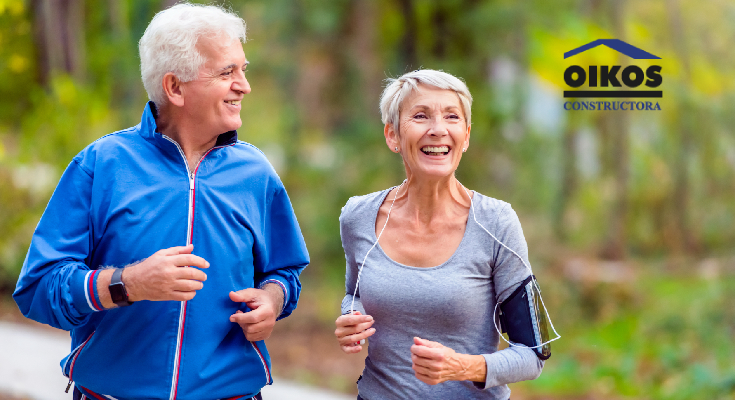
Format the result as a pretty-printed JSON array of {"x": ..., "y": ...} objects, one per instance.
[
  {"x": 56, "y": 286},
  {"x": 283, "y": 255}
]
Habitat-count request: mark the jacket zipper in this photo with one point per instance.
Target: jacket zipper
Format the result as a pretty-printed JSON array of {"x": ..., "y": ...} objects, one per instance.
[
  {"x": 189, "y": 240},
  {"x": 268, "y": 379},
  {"x": 182, "y": 312},
  {"x": 73, "y": 359}
]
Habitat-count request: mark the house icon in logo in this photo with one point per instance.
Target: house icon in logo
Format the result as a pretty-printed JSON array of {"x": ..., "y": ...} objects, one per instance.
[
  {"x": 617, "y": 45},
  {"x": 619, "y": 78}
]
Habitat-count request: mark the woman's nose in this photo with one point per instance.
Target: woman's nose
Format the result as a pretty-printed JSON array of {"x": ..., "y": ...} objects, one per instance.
[{"x": 438, "y": 127}]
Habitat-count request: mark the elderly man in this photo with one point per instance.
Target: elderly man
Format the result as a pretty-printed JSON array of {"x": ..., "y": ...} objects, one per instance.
[{"x": 170, "y": 249}]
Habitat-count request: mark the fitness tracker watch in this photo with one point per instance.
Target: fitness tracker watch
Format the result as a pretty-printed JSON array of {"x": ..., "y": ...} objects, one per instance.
[{"x": 117, "y": 289}]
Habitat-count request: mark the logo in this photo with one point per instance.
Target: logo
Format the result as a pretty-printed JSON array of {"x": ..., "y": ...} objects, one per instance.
[{"x": 633, "y": 81}]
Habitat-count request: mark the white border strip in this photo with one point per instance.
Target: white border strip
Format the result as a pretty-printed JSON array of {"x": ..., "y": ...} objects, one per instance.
[{"x": 86, "y": 291}]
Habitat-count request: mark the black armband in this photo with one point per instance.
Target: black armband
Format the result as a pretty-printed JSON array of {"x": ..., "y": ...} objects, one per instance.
[{"x": 525, "y": 320}]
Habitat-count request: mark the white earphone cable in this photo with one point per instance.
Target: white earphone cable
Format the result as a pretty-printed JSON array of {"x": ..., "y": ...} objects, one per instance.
[
  {"x": 530, "y": 271},
  {"x": 359, "y": 267},
  {"x": 495, "y": 310}
]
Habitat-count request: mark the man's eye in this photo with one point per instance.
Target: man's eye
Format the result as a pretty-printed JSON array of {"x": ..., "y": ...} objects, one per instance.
[{"x": 227, "y": 73}]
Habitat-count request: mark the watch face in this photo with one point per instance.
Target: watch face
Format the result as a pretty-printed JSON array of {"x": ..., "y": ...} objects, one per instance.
[{"x": 117, "y": 292}]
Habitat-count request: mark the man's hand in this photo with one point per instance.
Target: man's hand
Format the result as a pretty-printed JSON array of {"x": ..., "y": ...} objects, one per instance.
[
  {"x": 265, "y": 306},
  {"x": 434, "y": 363},
  {"x": 159, "y": 277}
]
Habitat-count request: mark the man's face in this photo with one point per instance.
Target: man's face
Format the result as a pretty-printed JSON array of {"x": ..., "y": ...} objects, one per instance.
[{"x": 212, "y": 101}]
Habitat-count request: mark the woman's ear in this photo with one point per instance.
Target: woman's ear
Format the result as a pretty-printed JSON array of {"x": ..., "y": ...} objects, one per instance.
[
  {"x": 391, "y": 138},
  {"x": 467, "y": 139},
  {"x": 173, "y": 89}
]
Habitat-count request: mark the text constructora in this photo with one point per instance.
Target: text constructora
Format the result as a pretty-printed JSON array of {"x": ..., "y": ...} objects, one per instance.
[{"x": 611, "y": 106}]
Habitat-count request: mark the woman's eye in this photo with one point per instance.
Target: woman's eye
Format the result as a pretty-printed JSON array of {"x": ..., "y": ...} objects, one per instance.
[
  {"x": 227, "y": 73},
  {"x": 453, "y": 116},
  {"x": 420, "y": 116}
]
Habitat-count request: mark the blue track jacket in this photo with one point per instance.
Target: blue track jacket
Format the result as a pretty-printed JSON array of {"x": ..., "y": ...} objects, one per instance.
[{"x": 128, "y": 195}]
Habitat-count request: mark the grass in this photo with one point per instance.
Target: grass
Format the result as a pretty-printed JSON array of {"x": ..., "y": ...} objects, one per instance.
[{"x": 651, "y": 338}]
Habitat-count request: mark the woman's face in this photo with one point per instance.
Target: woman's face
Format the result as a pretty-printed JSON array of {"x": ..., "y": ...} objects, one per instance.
[{"x": 433, "y": 132}]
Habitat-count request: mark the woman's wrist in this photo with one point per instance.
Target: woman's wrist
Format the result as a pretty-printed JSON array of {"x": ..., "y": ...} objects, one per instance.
[{"x": 474, "y": 368}]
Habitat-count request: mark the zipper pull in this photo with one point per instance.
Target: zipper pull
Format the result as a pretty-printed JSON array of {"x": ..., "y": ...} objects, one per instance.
[
  {"x": 67, "y": 387},
  {"x": 191, "y": 182}
]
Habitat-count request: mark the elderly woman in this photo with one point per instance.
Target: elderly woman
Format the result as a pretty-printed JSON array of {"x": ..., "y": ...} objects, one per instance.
[{"x": 426, "y": 269}]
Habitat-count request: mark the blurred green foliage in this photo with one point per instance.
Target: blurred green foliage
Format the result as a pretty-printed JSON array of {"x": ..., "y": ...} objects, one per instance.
[
  {"x": 655, "y": 338},
  {"x": 641, "y": 186}
]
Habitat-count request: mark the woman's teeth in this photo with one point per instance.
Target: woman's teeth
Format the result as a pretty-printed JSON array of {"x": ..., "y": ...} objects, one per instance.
[
  {"x": 435, "y": 150},
  {"x": 233, "y": 102}
]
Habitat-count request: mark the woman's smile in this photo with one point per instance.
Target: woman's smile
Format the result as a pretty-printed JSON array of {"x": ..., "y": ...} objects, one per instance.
[{"x": 435, "y": 150}]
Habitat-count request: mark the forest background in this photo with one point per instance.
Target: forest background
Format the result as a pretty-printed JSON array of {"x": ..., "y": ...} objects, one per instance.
[{"x": 629, "y": 215}]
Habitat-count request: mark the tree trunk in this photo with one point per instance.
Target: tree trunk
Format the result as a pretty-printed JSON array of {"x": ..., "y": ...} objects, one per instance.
[
  {"x": 569, "y": 180},
  {"x": 168, "y": 3},
  {"x": 680, "y": 201},
  {"x": 408, "y": 43},
  {"x": 617, "y": 122},
  {"x": 59, "y": 35},
  {"x": 362, "y": 50}
]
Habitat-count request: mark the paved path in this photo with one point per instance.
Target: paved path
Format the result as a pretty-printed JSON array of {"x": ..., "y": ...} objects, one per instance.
[{"x": 29, "y": 367}]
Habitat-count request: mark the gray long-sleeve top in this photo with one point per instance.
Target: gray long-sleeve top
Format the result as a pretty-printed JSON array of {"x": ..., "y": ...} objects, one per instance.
[{"x": 452, "y": 303}]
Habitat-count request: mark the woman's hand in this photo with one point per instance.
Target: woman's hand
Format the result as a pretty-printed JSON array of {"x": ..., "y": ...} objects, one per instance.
[
  {"x": 351, "y": 329},
  {"x": 435, "y": 363}
]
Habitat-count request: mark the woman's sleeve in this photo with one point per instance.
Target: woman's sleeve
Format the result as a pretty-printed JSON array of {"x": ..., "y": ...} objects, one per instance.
[
  {"x": 513, "y": 364},
  {"x": 346, "y": 231}
]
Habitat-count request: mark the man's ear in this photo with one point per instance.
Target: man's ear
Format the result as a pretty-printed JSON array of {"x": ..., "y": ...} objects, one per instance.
[
  {"x": 173, "y": 89},
  {"x": 391, "y": 138}
]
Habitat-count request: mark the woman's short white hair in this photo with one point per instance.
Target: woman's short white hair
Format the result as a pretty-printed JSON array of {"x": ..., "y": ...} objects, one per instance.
[
  {"x": 399, "y": 89},
  {"x": 169, "y": 43}
]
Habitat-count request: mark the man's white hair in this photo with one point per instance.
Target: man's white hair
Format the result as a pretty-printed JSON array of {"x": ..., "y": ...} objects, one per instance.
[
  {"x": 169, "y": 43},
  {"x": 399, "y": 89}
]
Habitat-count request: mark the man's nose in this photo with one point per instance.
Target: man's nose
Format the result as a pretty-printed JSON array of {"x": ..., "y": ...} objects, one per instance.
[{"x": 241, "y": 84}]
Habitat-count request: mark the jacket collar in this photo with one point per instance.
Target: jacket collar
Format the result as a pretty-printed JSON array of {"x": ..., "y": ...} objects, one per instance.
[{"x": 148, "y": 128}]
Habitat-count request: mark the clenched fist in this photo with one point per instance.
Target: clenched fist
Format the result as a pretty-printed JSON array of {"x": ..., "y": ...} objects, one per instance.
[
  {"x": 161, "y": 276},
  {"x": 265, "y": 307}
]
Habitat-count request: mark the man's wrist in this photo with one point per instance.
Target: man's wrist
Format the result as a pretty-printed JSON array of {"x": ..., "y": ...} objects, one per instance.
[
  {"x": 275, "y": 289},
  {"x": 129, "y": 281}
]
